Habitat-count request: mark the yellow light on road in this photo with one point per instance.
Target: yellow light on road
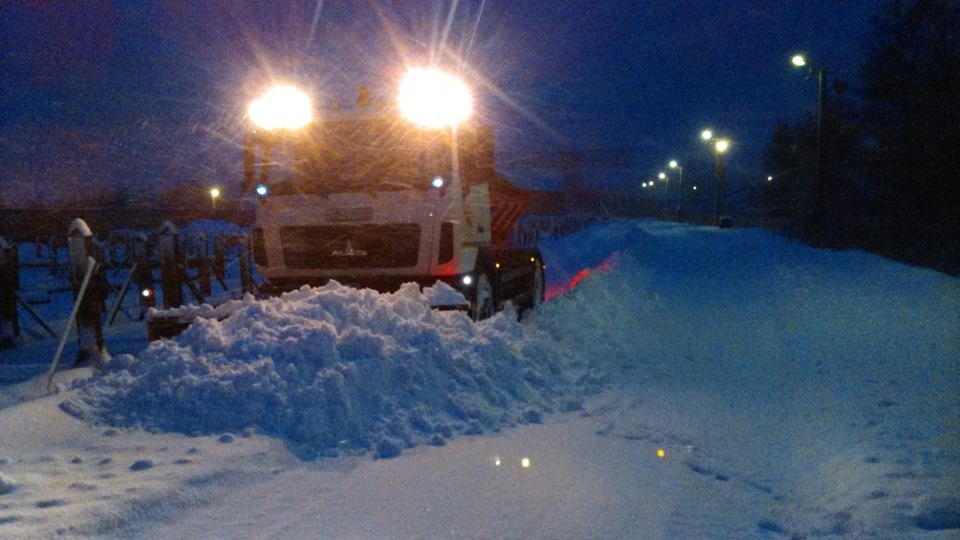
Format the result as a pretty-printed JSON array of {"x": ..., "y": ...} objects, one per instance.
[
  {"x": 434, "y": 99},
  {"x": 281, "y": 107},
  {"x": 661, "y": 452}
]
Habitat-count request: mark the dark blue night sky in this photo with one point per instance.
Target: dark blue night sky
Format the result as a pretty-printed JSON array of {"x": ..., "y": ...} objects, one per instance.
[{"x": 169, "y": 79}]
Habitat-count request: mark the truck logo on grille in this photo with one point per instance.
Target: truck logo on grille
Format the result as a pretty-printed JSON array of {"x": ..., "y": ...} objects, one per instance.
[
  {"x": 360, "y": 213},
  {"x": 348, "y": 251}
]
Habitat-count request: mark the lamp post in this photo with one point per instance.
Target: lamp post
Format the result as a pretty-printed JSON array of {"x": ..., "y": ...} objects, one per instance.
[
  {"x": 679, "y": 168},
  {"x": 666, "y": 189},
  {"x": 214, "y": 195},
  {"x": 817, "y": 217},
  {"x": 720, "y": 146}
]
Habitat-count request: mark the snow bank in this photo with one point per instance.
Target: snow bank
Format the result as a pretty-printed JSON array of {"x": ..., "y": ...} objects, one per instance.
[
  {"x": 336, "y": 369},
  {"x": 763, "y": 389}
]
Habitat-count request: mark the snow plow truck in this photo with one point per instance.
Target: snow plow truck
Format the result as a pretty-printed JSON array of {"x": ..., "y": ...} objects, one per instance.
[{"x": 383, "y": 193}]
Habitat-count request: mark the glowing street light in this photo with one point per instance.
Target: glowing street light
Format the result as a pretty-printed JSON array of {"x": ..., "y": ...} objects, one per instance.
[
  {"x": 214, "y": 195},
  {"x": 281, "y": 107},
  {"x": 666, "y": 188},
  {"x": 433, "y": 99},
  {"x": 819, "y": 202},
  {"x": 675, "y": 165},
  {"x": 720, "y": 146}
]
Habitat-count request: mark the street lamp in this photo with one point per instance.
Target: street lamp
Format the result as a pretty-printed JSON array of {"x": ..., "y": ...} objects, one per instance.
[
  {"x": 800, "y": 61},
  {"x": 666, "y": 188},
  {"x": 214, "y": 195},
  {"x": 719, "y": 147},
  {"x": 679, "y": 168}
]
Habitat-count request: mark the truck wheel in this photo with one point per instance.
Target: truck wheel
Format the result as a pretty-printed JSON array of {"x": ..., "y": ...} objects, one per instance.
[{"x": 484, "y": 304}]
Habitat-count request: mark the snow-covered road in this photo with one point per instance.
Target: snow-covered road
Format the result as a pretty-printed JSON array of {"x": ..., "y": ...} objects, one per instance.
[{"x": 697, "y": 383}]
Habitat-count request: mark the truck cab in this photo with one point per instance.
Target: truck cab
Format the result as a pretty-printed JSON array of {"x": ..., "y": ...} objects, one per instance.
[{"x": 368, "y": 198}]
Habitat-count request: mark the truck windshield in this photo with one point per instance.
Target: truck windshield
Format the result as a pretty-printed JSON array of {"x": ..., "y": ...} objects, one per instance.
[{"x": 368, "y": 154}]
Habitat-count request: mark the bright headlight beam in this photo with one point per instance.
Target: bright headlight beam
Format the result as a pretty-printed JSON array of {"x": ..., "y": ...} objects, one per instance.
[
  {"x": 281, "y": 107},
  {"x": 434, "y": 99}
]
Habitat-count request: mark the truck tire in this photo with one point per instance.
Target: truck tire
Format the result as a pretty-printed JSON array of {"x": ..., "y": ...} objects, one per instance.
[{"x": 485, "y": 302}]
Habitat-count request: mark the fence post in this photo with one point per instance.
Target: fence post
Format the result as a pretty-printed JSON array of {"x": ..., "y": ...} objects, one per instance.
[
  {"x": 219, "y": 260},
  {"x": 143, "y": 272},
  {"x": 89, "y": 324},
  {"x": 203, "y": 265},
  {"x": 9, "y": 283},
  {"x": 246, "y": 279},
  {"x": 171, "y": 269},
  {"x": 52, "y": 247},
  {"x": 99, "y": 280}
]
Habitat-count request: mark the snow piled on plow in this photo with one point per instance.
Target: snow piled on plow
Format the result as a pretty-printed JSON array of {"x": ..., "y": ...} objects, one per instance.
[{"x": 336, "y": 370}]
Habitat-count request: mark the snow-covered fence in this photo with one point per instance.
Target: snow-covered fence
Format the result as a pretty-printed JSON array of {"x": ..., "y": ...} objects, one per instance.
[
  {"x": 171, "y": 270},
  {"x": 9, "y": 283},
  {"x": 183, "y": 252},
  {"x": 89, "y": 292},
  {"x": 530, "y": 230},
  {"x": 212, "y": 262},
  {"x": 142, "y": 270}
]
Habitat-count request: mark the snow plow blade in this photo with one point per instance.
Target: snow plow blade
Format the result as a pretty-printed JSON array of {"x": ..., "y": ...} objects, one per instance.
[{"x": 163, "y": 326}]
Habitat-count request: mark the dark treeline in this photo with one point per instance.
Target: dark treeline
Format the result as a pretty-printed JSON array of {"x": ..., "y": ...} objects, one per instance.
[{"x": 890, "y": 156}]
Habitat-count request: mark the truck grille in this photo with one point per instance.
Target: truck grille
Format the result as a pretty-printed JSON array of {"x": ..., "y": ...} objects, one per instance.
[{"x": 351, "y": 246}]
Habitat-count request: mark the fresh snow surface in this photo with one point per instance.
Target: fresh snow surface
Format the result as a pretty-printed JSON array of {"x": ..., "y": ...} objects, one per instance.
[{"x": 695, "y": 383}]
